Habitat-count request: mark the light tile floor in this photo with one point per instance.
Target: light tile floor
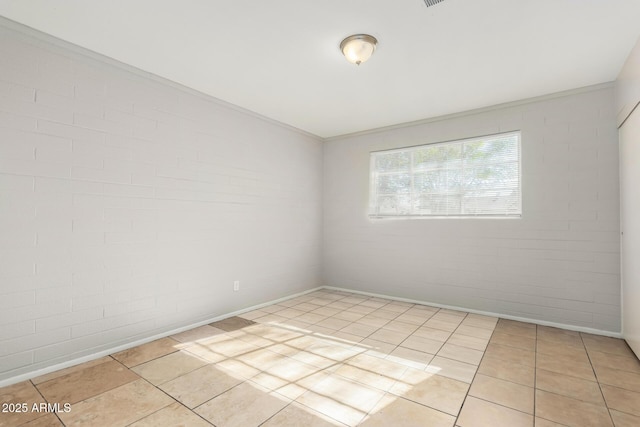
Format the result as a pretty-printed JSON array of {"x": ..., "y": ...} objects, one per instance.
[{"x": 334, "y": 359}]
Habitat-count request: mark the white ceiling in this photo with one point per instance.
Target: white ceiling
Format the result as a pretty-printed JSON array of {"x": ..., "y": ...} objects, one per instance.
[{"x": 280, "y": 58}]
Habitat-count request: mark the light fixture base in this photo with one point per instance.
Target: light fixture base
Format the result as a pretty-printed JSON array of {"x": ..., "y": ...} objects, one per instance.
[{"x": 358, "y": 48}]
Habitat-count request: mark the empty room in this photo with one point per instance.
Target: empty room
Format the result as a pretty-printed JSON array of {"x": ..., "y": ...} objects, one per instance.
[{"x": 336, "y": 213}]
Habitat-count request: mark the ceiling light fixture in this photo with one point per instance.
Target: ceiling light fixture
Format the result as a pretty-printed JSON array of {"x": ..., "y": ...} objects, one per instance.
[{"x": 358, "y": 48}]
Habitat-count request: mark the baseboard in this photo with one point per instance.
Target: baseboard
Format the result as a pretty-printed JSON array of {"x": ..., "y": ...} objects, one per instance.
[
  {"x": 485, "y": 313},
  {"x": 128, "y": 345}
]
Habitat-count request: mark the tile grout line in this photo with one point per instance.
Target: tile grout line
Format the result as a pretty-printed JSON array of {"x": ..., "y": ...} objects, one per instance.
[
  {"x": 351, "y": 357},
  {"x": 386, "y": 392},
  {"x": 509, "y": 381},
  {"x": 322, "y": 369},
  {"x": 89, "y": 397},
  {"x": 146, "y": 361},
  {"x": 46, "y": 401},
  {"x": 535, "y": 376},
  {"x": 166, "y": 406},
  {"x": 455, "y": 423},
  {"x": 593, "y": 369}
]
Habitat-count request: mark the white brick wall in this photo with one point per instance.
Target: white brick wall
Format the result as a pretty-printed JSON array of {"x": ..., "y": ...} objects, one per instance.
[
  {"x": 128, "y": 206},
  {"x": 560, "y": 262}
]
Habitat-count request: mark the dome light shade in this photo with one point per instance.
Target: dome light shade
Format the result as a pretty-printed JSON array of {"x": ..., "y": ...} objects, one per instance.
[{"x": 358, "y": 48}]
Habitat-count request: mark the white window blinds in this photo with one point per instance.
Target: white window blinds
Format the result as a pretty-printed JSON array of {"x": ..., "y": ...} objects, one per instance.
[{"x": 471, "y": 177}]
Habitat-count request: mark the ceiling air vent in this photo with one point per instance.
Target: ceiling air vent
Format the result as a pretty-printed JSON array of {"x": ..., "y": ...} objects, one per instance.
[{"x": 432, "y": 2}]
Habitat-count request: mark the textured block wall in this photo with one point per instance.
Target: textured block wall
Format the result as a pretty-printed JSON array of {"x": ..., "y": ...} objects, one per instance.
[
  {"x": 129, "y": 206},
  {"x": 559, "y": 263}
]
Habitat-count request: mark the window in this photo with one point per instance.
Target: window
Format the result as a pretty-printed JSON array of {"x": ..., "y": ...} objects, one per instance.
[{"x": 471, "y": 177}]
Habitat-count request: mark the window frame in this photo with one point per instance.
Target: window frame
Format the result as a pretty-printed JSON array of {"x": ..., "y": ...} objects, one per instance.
[{"x": 373, "y": 208}]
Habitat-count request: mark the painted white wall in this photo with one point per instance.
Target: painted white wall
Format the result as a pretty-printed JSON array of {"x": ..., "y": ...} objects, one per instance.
[
  {"x": 560, "y": 262},
  {"x": 630, "y": 212},
  {"x": 628, "y": 85},
  {"x": 128, "y": 206},
  {"x": 627, "y": 101}
]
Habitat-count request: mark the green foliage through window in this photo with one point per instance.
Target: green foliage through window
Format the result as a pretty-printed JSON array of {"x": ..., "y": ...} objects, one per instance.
[{"x": 472, "y": 177}]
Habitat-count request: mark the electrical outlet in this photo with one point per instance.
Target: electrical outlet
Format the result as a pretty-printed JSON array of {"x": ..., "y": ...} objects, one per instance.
[{"x": 236, "y": 285}]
